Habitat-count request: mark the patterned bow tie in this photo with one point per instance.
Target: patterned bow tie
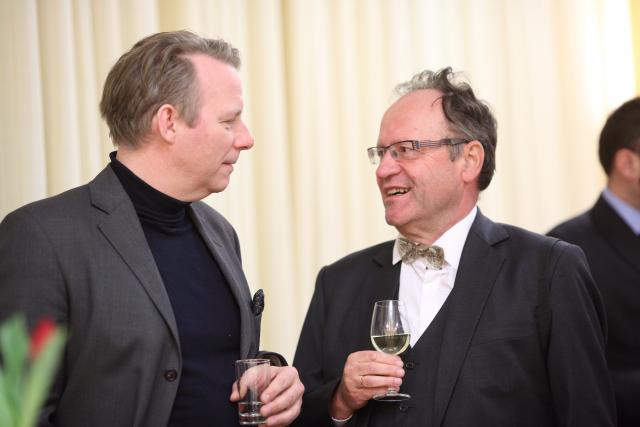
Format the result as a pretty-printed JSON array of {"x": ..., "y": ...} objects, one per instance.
[{"x": 410, "y": 251}]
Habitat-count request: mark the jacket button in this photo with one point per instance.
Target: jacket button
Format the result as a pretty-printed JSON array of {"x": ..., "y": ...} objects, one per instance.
[
  {"x": 170, "y": 375},
  {"x": 403, "y": 407},
  {"x": 409, "y": 365}
]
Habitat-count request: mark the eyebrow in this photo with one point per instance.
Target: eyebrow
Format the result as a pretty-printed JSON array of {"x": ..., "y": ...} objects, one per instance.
[{"x": 234, "y": 113}]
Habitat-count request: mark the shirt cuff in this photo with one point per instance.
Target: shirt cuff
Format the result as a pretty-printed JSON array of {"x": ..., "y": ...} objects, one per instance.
[{"x": 340, "y": 423}]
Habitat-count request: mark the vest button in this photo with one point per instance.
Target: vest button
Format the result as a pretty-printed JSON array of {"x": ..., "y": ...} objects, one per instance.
[
  {"x": 409, "y": 365},
  {"x": 170, "y": 375},
  {"x": 403, "y": 407}
]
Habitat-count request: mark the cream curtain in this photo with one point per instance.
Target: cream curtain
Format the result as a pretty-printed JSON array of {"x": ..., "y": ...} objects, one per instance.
[
  {"x": 635, "y": 29},
  {"x": 318, "y": 75}
]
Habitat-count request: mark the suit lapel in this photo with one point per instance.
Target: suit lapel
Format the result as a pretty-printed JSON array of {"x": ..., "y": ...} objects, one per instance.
[
  {"x": 232, "y": 270},
  {"x": 382, "y": 284},
  {"x": 122, "y": 229},
  {"x": 477, "y": 273},
  {"x": 616, "y": 232}
]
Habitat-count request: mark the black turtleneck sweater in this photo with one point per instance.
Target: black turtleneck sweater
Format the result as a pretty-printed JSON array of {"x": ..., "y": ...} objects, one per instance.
[{"x": 205, "y": 310}]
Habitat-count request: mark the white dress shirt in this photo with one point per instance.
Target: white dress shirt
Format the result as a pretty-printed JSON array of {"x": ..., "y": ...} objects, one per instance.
[{"x": 424, "y": 291}]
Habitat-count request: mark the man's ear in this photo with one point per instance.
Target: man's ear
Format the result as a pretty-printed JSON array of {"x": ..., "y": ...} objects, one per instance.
[
  {"x": 165, "y": 122},
  {"x": 627, "y": 163},
  {"x": 472, "y": 160}
]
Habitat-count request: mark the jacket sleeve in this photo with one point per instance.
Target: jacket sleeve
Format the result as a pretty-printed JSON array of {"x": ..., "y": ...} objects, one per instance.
[
  {"x": 309, "y": 362},
  {"x": 577, "y": 370},
  {"x": 31, "y": 282},
  {"x": 275, "y": 359}
]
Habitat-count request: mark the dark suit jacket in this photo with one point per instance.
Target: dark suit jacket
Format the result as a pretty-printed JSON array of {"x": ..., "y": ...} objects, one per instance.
[
  {"x": 82, "y": 258},
  {"x": 613, "y": 252},
  {"x": 525, "y": 346}
]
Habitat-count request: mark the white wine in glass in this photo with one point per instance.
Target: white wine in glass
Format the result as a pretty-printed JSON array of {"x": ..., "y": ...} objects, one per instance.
[{"x": 390, "y": 334}]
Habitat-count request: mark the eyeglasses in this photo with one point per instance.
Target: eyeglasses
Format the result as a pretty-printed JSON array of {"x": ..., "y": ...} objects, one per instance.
[{"x": 409, "y": 150}]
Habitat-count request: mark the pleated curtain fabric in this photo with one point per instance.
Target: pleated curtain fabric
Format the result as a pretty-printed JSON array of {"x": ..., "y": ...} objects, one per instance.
[{"x": 318, "y": 75}]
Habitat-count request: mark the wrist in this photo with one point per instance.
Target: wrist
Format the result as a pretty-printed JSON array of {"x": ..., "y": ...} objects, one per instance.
[{"x": 338, "y": 408}]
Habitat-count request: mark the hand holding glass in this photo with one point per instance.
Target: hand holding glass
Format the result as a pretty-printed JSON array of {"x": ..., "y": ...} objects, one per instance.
[
  {"x": 252, "y": 376},
  {"x": 390, "y": 334}
]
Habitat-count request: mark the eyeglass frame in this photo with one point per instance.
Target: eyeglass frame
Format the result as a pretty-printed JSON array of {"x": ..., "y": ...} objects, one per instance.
[{"x": 415, "y": 146}]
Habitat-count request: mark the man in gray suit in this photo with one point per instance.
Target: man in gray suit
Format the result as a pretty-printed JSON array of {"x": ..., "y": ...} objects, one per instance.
[
  {"x": 507, "y": 327},
  {"x": 146, "y": 277}
]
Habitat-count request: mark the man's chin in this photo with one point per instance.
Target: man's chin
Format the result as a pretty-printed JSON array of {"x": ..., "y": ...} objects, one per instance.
[
  {"x": 393, "y": 220},
  {"x": 219, "y": 187}
]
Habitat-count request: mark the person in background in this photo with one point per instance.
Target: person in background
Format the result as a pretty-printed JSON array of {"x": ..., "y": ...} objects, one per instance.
[
  {"x": 147, "y": 278},
  {"x": 609, "y": 234},
  {"x": 507, "y": 326}
]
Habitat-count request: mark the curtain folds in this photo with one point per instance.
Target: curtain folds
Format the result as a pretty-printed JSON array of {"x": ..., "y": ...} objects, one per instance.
[
  {"x": 635, "y": 18},
  {"x": 318, "y": 75}
]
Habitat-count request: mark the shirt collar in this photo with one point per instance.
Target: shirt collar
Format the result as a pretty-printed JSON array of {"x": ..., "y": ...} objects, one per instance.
[
  {"x": 629, "y": 214},
  {"x": 452, "y": 241}
]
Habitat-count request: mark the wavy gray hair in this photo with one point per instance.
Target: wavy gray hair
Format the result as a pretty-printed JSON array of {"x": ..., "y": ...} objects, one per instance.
[{"x": 468, "y": 116}]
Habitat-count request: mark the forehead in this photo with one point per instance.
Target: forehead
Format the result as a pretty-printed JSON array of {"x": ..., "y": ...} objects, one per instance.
[
  {"x": 215, "y": 77},
  {"x": 416, "y": 115}
]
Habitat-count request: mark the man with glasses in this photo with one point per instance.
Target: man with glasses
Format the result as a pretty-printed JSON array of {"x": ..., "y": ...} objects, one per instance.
[
  {"x": 507, "y": 327},
  {"x": 609, "y": 234}
]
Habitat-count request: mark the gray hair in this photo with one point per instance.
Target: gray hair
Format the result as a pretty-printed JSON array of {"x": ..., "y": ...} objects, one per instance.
[{"x": 468, "y": 116}]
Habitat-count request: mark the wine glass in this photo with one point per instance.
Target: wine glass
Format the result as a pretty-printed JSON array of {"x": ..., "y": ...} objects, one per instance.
[{"x": 390, "y": 334}]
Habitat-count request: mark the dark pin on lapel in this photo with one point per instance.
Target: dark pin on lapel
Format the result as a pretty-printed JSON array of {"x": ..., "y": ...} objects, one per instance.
[{"x": 258, "y": 302}]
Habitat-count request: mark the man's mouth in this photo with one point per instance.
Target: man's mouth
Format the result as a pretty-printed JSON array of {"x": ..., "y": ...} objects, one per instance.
[{"x": 396, "y": 191}]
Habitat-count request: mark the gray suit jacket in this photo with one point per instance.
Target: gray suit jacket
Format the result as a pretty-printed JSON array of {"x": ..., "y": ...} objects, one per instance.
[{"x": 82, "y": 258}]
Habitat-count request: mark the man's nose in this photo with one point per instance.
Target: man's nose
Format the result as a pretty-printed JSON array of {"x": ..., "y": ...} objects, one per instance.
[
  {"x": 244, "y": 139},
  {"x": 387, "y": 166}
]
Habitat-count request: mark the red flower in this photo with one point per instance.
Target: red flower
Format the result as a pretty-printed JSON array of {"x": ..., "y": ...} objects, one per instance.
[{"x": 42, "y": 333}]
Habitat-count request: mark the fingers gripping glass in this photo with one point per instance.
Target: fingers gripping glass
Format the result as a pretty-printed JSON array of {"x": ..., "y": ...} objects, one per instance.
[
  {"x": 409, "y": 149},
  {"x": 252, "y": 379}
]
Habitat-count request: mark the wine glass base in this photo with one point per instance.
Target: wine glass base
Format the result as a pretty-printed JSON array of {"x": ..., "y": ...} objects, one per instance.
[{"x": 394, "y": 397}]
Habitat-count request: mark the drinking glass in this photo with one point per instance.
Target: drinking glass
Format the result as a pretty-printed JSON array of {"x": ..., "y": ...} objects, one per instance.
[
  {"x": 390, "y": 334},
  {"x": 252, "y": 377}
]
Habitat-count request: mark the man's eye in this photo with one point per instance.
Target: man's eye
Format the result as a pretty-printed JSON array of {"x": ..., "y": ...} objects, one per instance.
[
  {"x": 229, "y": 124},
  {"x": 404, "y": 149},
  {"x": 230, "y": 121}
]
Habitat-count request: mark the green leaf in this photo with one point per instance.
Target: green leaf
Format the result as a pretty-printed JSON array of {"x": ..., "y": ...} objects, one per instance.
[
  {"x": 39, "y": 378},
  {"x": 7, "y": 415},
  {"x": 14, "y": 344}
]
